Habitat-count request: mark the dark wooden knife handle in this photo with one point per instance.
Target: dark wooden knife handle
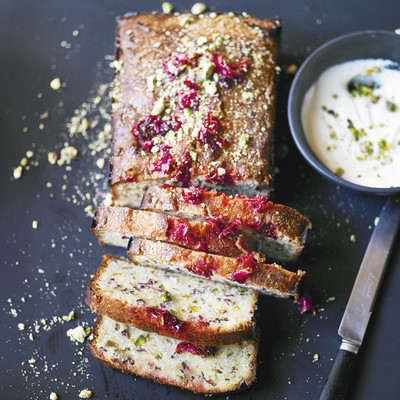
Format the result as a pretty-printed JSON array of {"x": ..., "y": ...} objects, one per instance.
[{"x": 339, "y": 377}]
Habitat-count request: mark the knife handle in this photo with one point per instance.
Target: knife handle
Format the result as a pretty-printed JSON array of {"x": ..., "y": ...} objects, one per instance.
[{"x": 337, "y": 384}]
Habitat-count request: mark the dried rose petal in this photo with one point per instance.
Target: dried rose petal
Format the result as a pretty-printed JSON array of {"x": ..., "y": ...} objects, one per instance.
[
  {"x": 209, "y": 132},
  {"x": 183, "y": 175},
  {"x": 221, "y": 180},
  {"x": 241, "y": 275},
  {"x": 146, "y": 129},
  {"x": 226, "y": 71},
  {"x": 176, "y": 63},
  {"x": 259, "y": 203},
  {"x": 204, "y": 351},
  {"x": 248, "y": 260},
  {"x": 166, "y": 320},
  {"x": 191, "y": 85},
  {"x": 305, "y": 304},
  {"x": 203, "y": 268},
  {"x": 188, "y": 100},
  {"x": 194, "y": 195},
  {"x": 230, "y": 229},
  {"x": 165, "y": 162}
]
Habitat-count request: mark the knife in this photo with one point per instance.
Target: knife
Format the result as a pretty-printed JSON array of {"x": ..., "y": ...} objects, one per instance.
[{"x": 362, "y": 298}]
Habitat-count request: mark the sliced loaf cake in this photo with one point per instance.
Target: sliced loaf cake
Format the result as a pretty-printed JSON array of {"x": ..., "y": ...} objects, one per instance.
[
  {"x": 167, "y": 360},
  {"x": 175, "y": 304},
  {"x": 115, "y": 225},
  {"x": 245, "y": 271},
  {"x": 279, "y": 230}
]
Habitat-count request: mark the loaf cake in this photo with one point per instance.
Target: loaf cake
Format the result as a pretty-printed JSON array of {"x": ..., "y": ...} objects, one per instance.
[
  {"x": 245, "y": 271},
  {"x": 194, "y": 103},
  {"x": 167, "y": 360},
  {"x": 115, "y": 225},
  {"x": 279, "y": 230},
  {"x": 188, "y": 308}
]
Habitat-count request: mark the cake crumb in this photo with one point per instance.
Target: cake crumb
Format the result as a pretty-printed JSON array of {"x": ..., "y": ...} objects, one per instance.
[
  {"x": 55, "y": 84},
  {"x": 85, "y": 394},
  {"x": 198, "y": 8},
  {"x": 292, "y": 69},
  {"x": 353, "y": 238},
  {"x": 167, "y": 7},
  {"x": 17, "y": 173},
  {"x": 78, "y": 334},
  {"x": 35, "y": 224},
  {"x": 69, "y": 317}
]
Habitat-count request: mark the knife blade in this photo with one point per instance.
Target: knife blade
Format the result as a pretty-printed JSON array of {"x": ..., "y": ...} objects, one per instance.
[{"x": 362, "y": 298}]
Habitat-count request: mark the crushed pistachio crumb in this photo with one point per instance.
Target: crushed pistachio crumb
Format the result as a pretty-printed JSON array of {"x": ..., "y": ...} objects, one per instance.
[
  {"x": 35, "y": 224},
  {"x": 55, "y": 84},
  {"x": 78, "y": 334},
  {"x": 21, "y": 326},
  {"x": 52, "y": 157},
  {"x": 68, "y": 154},
  {"x": 198, "y": 8},
  {"x": 339, "y": 171},
  {"x": 69, "y": 317},
  {"x": 17, "y": 173},
  {"x": 85, "y": 394},
  {"x": 291, "y": 69},
  {"x": 53, "y": 396},
  {"x": 353, "y": 238},
  {"x": 315, "y": 357},
  {"x": 167, "y": 7}
]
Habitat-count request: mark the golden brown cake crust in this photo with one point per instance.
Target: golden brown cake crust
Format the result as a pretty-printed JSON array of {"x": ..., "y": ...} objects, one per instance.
[
  {"x": 241, "y": 152},
  {"x": 270, "y": 278}
]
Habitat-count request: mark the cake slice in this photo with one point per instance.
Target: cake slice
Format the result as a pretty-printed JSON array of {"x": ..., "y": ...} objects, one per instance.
[
  {"x": 279, "y": 230},
  {"x": 188, "y": 308},
  {"x": 116, "y": 225},
  {"x": 167, "y": 360},
  {"x": 194, "y": 102},
  {"x": 244, "y": 271}
]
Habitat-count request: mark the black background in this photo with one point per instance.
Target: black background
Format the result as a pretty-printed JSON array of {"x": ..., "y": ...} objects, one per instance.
[{"x": 62, "y": 246}]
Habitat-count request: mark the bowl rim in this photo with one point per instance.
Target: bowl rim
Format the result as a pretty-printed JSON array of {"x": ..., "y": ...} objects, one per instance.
[{"x": 306, "y": 150}]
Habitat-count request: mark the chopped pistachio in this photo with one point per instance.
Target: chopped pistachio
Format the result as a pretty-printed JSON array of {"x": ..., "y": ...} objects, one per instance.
[
  {"x": 52, "y": 157},
  {"x": 151, "y": 83},
  {"x": 247, "y": 95},
  {"x": 17, "y": 173},
  {"x": 85, "y": 394},
  {"x": 165, "y": 296},
  {"x": 140, "y": 341},
  {"x": 339, "y": 171},
  {"x": 55, "y": 84},
  {"x": 207, "y": 68},
  {"x": 201, "y": 40},
  {"x": 29, "y": 153},
  {"x": 391, "y": 107},
  {"x": 21, "y": 326},
  {"x": 167, "y": 7},
  {"x": 35, "y": 224},
  {"x": 221, "y": 171},
  {"x": 24, "y": 162},
  {"x": 315, "y": 357},
  {"x": 68, "y": 153},
  {"x": 353, "y": 238},
  {"x": 53, "y": 396},
  {"x": 158, "y": 107},
  {"x": 69, "y": 317},
  {"x": 198, "y": 8}
]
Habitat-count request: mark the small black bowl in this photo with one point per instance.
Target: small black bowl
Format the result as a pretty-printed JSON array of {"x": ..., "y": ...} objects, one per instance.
[{"x": 353, "y": 46}]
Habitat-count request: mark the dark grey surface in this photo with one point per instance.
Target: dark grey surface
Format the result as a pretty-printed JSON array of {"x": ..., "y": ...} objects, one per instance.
[{"x": 30, "y": 37}]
